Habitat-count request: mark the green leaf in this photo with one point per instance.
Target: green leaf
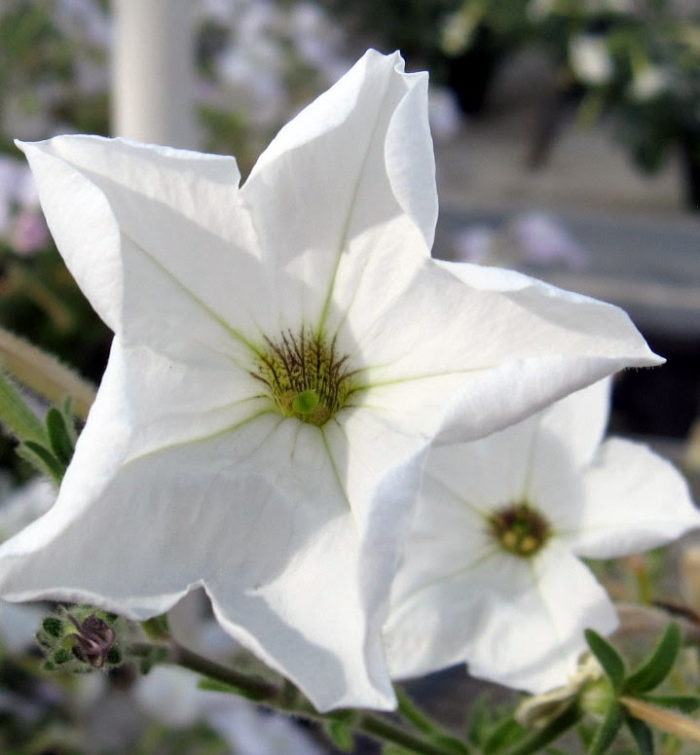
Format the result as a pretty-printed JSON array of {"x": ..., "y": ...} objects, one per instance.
[
  {"x": 606, "y": 733},
  {"x": 59, "y": 436},
  {"x": 341, "y": 736},
  {"x": 642, "y": 735},
  {"x": 450, "y": 744},
  {"x": 608, "y": 657},
  {"x": 553, "y": 730},
  {"x": 505, "y": 733},
  {"x": 42, "y": 459},
  {"x": 18, "y": 417},
  {"x": 657, "y": 667},
  {"x": 682, "y": 703},
  {"x": 68, "y": 415}
]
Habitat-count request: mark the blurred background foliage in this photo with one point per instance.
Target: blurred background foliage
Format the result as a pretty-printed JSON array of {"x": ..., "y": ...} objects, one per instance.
[{"x": 258, "y": 61}]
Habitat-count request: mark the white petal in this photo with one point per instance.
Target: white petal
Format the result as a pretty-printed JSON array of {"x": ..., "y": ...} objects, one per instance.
[
  {"x": 430, "y": 630},
  {"x": 579, "y": 422},
  {"x": 276, "y": 547},
  {"x": 633, "y": 500},
  {"x": 481, "y": 358},
  {"x": 157, "y": 239},
  {"x": 361, "y": 155},
  {"x": 432, "y": 594},
  {"x": 528, "y": 629}
]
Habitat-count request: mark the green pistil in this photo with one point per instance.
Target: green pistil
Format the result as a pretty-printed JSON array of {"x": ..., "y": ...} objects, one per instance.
[
  {"x": 520, "y": 529},
  {"x": 304, "y": 377}
]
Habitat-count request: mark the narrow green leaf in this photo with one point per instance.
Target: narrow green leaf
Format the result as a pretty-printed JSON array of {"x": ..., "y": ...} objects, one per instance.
[
  {"x": 608, "y": 657},
  {"x": 505, "y": 733},
  {"x": 59, "y": 436},
  {"x": 552, "y": 731},
  {"x": 42, "y": 459},
  {"x": 657, "y": 667},
  {"x": 682, "y": 703},
  {"x": 69, "y": 417},
  {"x": 15, "y": 413},
  {"x": 341, "y": 736},
  {"x": 450, "y": 744},
  {"x": 642, "y": 735},
  {"x": 606, "y": 733}
]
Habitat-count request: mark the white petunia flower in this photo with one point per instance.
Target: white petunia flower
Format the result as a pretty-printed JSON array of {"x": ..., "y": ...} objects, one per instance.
[
  {"x": 283, "y": 354},
  {"x": 491, "y": 573}
]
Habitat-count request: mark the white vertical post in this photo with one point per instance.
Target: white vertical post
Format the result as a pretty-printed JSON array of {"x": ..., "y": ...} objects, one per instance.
[{"x": 153, "y": 72}]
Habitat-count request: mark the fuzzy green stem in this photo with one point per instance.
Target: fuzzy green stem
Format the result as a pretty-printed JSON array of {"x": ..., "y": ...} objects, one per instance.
[
  {"x": 252, "y": 687},
  {"x": 44, "y": 374},
  {"x": 278, "y": 698}
]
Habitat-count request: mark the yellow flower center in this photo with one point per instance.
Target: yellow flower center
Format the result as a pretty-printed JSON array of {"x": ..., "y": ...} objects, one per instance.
[
  {"x": 520, "y": 529},
  {"x": 305, "y": 377}
]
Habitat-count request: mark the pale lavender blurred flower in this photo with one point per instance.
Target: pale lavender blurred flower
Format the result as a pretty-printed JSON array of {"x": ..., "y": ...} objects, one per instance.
[
  {"x": 544, "y": 240},
  {"x": 474, "y": 244},
  {"x": 84, "y": 20},
  {"x": 22, "y": 224},
  {"x": 29, "y": 232},
  {"x": 443, "y": 113},
  {"x": 317, "y": 39},
  {"x": 534, "y": 239}
]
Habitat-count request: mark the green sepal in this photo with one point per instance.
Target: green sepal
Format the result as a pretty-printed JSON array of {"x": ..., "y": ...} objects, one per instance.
[
  {"x": 681, "y": 703},
  {"x": 537, "y": 741},
  {"x": 53, "y": 626},
  {"x": 59, "y": 436},
  {"x": 659, "y": 664},
  {"x": 607, "y": 731},
  {"x": 212, "y": 685},
  {"x": 61, "y": 655},
  {"x": 341, "y": 736},
  {"x": 608, "y": 657},
  {"x": 642, "y": 735},
  {"x": 156, "y": 628},
  {"x": 41, "y": 458}
]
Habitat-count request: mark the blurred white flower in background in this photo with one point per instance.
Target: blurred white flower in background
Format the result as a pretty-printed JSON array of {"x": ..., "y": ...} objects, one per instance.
[
  {"x": 590, "y": 60},
  {"x": 171, "y": 695},
  {"x": 648, "y": 83}
]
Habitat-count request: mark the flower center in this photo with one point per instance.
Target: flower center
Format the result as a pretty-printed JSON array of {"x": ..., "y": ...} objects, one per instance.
[
  {"x": 305, "y": 377},
  {"x": 521, "y": 530}
]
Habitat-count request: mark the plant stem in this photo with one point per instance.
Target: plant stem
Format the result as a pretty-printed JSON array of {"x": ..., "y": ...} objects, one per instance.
[
  {"x": 271, "y": 695},
  {"x": 257, "y": 689}
]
